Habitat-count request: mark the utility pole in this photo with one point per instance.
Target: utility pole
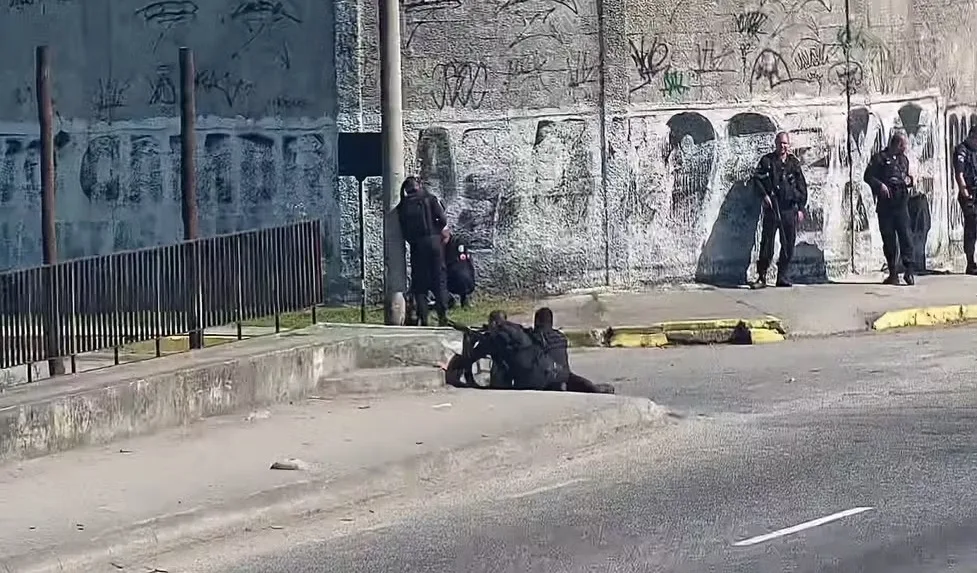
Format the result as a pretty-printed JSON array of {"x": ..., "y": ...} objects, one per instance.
[
  {"x": 392, "y": 126},
  {"x": 188, "y": 185},
  {"x": 49, "y": 233}
]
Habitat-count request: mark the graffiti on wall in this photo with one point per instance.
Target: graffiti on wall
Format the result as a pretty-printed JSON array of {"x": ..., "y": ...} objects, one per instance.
[
  {"x": 538, "y": 54},
  {"x": 121, "y": 189},
  {"x": 780, "y": 47},
  {"x": 536, "y": 216},
  {"x": 524, "y": 194},
  {"x": 527, "y": 194}
]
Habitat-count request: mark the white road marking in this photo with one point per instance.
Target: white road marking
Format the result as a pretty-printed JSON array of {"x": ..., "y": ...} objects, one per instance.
[
  {"x": 546, "y": 488},
  {"x": 802, "y": 526}
]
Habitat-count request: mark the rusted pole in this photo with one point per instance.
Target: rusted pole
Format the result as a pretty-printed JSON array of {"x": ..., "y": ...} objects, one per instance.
[
  {"x": 49, "y": 236},
  {"x": 188, "y": 184}
]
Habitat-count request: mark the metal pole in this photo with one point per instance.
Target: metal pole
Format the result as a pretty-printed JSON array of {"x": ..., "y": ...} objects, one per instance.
[
  {"x": 392, "y": 126},
  {"x": 362, "y": 252},
  {"x": 188, "y": 183},
  {"x": 49, "y": 237}
]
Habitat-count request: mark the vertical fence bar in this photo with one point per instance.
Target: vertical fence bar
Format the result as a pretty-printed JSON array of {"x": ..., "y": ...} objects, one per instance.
[
  {"x": 45, "y": 116},
  {"x": 362, "y": 240},
  {"x": 317, "y": 260},
  {"x": 188, "y": 180}
]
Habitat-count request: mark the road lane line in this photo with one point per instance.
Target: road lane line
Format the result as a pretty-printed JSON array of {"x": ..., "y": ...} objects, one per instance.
[
  {"x": 546, "y": 488},
  {"x": 802, "y": 526}
]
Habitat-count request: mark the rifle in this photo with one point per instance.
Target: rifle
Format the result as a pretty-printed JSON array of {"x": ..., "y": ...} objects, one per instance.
[{"x": 470, "y": 337}]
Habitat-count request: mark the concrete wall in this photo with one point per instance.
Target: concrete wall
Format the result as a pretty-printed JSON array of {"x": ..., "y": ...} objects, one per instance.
[
  {"x": 589, "y": 142},
  {"x": 576, "y": 142},
  {"x": 266, "y": 94}
]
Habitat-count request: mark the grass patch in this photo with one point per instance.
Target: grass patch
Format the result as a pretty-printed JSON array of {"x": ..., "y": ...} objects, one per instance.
[
  {"x": 170, "y": 345},
  {"x": 475, "y": 314}
]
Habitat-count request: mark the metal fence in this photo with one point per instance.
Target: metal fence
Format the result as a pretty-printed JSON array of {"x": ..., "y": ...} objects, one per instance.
[{"x": 98, "y": 303}]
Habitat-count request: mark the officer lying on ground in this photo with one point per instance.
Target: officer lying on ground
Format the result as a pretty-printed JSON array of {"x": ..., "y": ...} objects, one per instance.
[
  {"x": 556, "y": 344},
  {"x": 517, "y": 354}
]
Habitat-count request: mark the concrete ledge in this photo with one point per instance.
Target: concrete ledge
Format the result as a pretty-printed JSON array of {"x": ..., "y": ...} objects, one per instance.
[
  {"x": 926, "y": 316},
  {"x": 132, "y": 399},
  {"x": 701, "y": 331}
]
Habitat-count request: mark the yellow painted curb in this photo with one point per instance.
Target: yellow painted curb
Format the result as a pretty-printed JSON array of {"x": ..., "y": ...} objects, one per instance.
[
  {"x": 926, "y": 316},
  {"x": 637, "y": 340},
  {"x": 703, "y": 331},
  {"x": 765, "y": 336},
  {"x": 769, "y": 322}
]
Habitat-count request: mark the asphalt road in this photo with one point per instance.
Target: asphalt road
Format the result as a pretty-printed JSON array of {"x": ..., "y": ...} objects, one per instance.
[{"x": 771, "y": 437}]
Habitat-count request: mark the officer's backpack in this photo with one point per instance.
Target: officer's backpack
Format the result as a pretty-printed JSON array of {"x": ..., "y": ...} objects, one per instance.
[
  {"x": 415, "y": 217},
  {"x": 528, "y": 360}
]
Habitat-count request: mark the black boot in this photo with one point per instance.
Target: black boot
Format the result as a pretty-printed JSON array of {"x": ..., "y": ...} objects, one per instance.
[
  {"x": 971, "y": 268},
  {"x": 892, "y": 279},
  {"x": 760, "y": 282},
  {"x": 783, "y": 281},
  {"x": 909, "y": 278}
]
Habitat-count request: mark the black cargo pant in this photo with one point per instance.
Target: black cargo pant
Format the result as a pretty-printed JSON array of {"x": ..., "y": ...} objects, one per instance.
[
  {"x": 969, "y": 209},
  {"x": 427, "y": 274},
  {"x": 570, "y": 382},
  {"x": 897, "y": 242},
  {"x": 770, "y": 225}
]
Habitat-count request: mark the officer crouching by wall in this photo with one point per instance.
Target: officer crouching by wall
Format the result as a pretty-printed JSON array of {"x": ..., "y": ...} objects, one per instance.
[
  {"x": 461, "y": 270},
  {"x": 888, "y": 176},
  {"x": 965, "y": 173},
  {"x": 425, "y": 228},
  {"x": 781, "y": 183}
]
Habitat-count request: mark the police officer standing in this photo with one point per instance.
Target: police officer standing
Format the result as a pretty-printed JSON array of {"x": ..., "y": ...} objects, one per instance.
[
  {"x": 888, "y": 176},
  {"x": 781, "y": 183},
  {"x": 965, "y": 173},
  {"x": 425, "y": 228}
]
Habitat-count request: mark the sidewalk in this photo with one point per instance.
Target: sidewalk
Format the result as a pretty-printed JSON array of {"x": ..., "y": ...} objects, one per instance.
[
  {"x": 214, "y": 477},
  {"x": 806, "y": 310}
]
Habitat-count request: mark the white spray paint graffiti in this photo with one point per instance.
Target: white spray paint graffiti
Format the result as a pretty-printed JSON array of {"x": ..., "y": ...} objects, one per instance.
[
  {"x": 119, "y": 186},
  {"x": 526, "y": 193}
]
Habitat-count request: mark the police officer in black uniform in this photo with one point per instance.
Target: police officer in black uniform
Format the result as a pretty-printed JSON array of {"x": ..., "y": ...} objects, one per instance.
[
  {"x": 965, "y": 173},
  {"x": 425, "y": 228},
  {"x": 888, "y": 176},
  {"x": 461, "y": 270},
  {"x": 556, "y": 345},
  {"x": 781, "y": 183},
  {"x": 520, "y": 357}
]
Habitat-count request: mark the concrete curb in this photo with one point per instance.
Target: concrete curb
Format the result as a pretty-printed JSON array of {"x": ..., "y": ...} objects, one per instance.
[
  {"x": 926, "y": 316},
  {"x": 141, "y": 398},
  {"x": 611, "y": 415},
  {"x": 696, "y": 331}
]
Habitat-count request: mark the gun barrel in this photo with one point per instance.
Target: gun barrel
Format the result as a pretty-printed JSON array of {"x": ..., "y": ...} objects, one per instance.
[{"x": 459, "y": 327}]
